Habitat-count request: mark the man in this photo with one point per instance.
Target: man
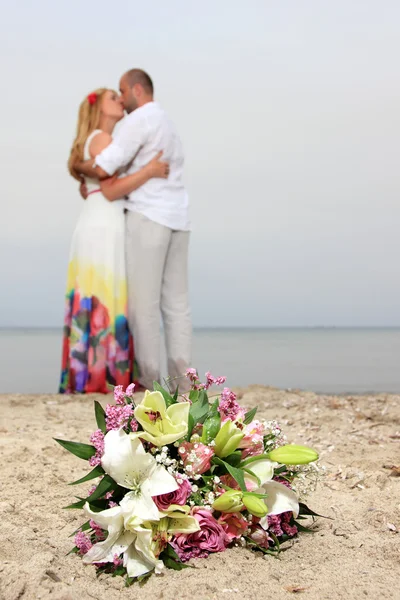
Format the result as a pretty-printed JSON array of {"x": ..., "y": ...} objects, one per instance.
[{"x": 157, "y": 230}]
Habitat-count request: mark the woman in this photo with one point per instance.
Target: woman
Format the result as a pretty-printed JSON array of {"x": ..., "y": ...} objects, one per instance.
[{"x": 97, "y": 346}]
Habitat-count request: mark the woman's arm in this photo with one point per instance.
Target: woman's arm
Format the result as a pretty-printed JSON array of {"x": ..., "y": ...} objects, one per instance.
[
  {"x": 85, "y": 167},
  {"x": 114, "y": 188}
]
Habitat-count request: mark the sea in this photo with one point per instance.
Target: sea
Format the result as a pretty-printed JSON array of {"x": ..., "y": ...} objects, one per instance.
[{"x": 324, "y": 360}]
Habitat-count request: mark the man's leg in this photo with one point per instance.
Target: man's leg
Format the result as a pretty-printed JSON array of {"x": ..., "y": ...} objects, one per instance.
[
  {"x": 146, "y": 245},
  {"x": 175, "y": 308}
]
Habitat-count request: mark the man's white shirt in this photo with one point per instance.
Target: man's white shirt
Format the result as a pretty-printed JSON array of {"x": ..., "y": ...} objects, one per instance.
[{"x": 142, "y": 134}]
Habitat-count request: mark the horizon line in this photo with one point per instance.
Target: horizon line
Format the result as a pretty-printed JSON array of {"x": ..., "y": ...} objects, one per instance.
[{"x": 216, "y": 327}]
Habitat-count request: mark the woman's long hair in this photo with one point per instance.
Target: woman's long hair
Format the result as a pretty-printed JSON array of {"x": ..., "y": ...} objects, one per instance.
[{"x": 88, "y": 121}]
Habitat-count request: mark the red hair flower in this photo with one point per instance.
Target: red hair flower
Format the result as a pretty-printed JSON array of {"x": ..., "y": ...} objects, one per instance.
[{"x": 92, "y": 98}]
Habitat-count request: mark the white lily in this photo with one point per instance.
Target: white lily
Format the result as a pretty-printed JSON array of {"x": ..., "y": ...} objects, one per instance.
[
  {"x": 127, "y": 462},
  {"x": 279, "y": 498},
  {"x": 135, "y": 545}
]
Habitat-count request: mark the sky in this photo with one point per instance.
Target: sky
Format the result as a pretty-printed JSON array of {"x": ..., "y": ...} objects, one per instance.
[{"x": 289, "y": 116}]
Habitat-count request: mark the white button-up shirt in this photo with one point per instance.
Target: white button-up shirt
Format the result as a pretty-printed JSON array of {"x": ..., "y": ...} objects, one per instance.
[{"x": 142, "y": 134}]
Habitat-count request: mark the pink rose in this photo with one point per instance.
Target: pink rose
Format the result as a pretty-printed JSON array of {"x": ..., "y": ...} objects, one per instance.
[
  {"x": 234, "y": 525},
  {"x": 163, "y": 501},
  {"x": 196, "y": 455},
  {"x": 210, "y": 538}
]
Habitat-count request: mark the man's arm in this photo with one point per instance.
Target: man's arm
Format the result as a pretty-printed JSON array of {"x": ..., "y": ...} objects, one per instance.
[{"x": 120, "y": 152}]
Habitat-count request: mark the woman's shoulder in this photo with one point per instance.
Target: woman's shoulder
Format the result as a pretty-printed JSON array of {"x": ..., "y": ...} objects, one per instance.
[{"x": 99, "y": 140}]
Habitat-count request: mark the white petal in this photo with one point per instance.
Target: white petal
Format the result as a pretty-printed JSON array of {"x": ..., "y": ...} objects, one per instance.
[
  {"x": 160, "y": 482},
  {"x": 112, "y": 521},
  {"x": 135, "y": 563},
  {"x": 138, "y": 508},
  {"x": 123, "y": 543},
  {"x": 279, "y": 499},
  {"x": 143, "y": 545},
  {"x": 102, "y": 551},
  {"x": 263, "y": 469},
  {"x": 125, "y": 459},
  {"x": 111, "y": 517}
]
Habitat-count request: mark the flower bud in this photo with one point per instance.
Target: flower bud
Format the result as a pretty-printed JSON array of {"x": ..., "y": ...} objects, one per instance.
[
  {"x": 228, "y": 439},
  {"x": 255, "y": 506},
  {"x": 293, "y": 455},
  {"x": 229, "y": 502}
]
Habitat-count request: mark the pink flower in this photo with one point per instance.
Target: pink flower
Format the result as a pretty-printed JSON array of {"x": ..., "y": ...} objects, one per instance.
[
  {"x": 196, "y": 455},
  {"x": 211, "y": 380},
  {"x": 280, "y": 524},
  {"x": 118, "y": 416},
  {"x": 210, "y": 538},
  {"x": 253, "y": 433},
  {"x": 163, "y": 501},
  {"x": 97, "y": 439},
  {"x": 253, "y": 450},
  {"x": 82, "y": 542},
  {"x": 117, "y": 561},
  {"x": 130, "y": 389},
  {"x": 119, "y": 394},
  {"x": 260, "y": 537},
  {"x": 228, "y": 407},
  {"x": 232, "y": 483},
  {"x": 234, "y": 525},
  {"x": 253, "y": 441},
  {"x": 98, "y": 531},
  {"x": 192, "y": 375}
]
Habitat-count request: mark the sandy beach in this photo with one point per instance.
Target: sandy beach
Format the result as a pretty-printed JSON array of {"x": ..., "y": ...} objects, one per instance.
[{"x": 353, "y": 554}]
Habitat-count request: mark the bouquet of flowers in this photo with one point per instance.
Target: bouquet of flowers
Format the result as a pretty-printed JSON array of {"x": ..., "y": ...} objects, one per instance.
[{"x": 181, "y": 477}]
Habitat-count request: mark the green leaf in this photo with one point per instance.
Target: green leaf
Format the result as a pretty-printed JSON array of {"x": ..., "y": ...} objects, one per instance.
[
  {"x": 191, "y": 424},
  {"x": 237, "y": 474},
  {"x": 194, "y": 395},
  {"x": 142, "y": 579},
  {"x": 96, "y": 472},
  {"x": 199, "y": 409},
  {"x": 234, "y": 458},
  {"x": 83, "y": 527},
  {"x": 212, "y": 424},
  {"x": 79, "y": 504},
  {"x": 303, "y": 529},
  {"x": 176, "y": 394},
  {"x": 304, "y": 510},
  {"x": 106, "y": 485},
  {"x": 276, "y": 541},
  {"x": 249, "y": 416},
  {"x": 171, "y": 560},
  {"x": 170, "y": 563},
  {"x": 84, "y": 451},
  {"x": 100, "y": 416},
  {"x": 166, "y": 395},
  {"x": 169, "y": 551}
]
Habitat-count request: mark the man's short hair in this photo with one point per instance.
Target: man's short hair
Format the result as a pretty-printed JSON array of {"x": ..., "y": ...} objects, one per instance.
[{"x": 135, "y": 76}]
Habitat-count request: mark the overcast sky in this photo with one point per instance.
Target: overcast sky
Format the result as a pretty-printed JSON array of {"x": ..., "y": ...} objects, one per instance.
[{"x": 289, "y": 114}]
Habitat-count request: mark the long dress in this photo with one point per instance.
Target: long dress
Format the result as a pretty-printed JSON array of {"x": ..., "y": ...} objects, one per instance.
[{"x": 97, "y": 346}]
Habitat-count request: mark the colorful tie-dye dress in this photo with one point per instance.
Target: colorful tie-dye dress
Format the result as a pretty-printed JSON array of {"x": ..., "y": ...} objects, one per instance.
[{"x": 97, "y": 345}]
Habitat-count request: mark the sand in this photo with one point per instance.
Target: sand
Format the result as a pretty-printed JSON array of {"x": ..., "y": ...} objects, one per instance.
[{"x": 354, "y": 554}]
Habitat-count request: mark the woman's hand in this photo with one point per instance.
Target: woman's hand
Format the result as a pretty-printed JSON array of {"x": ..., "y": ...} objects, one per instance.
[{"x": 158, "y": 168}]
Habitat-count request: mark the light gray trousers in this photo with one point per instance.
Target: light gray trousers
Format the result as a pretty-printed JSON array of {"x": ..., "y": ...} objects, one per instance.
[{"x": 157, "y": 274}]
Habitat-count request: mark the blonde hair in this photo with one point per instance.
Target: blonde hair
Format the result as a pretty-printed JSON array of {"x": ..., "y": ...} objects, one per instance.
[{"x": 88, "y": 121}]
